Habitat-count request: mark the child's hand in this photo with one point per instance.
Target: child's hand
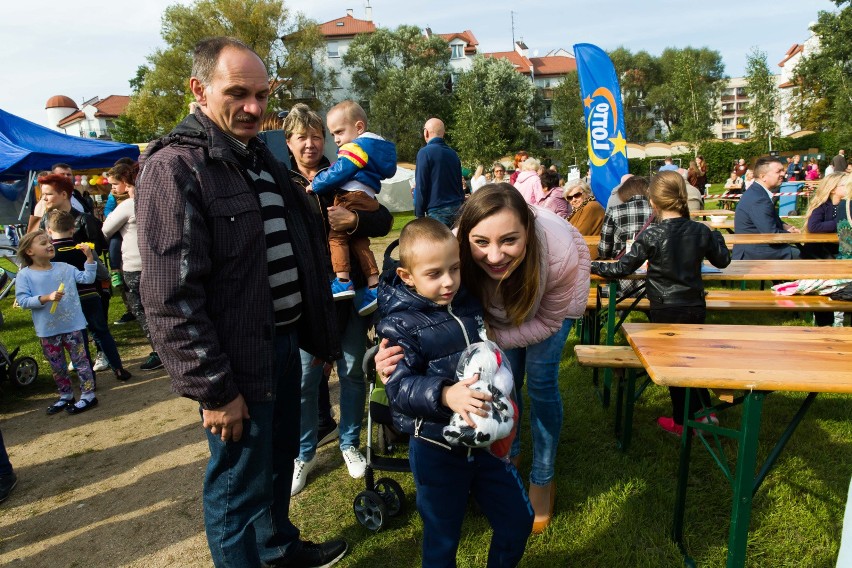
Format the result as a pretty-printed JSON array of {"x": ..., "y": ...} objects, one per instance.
[
  {"x": 55, "y": 296},
  {"x": 460, "y": 399},
  {"x": 87, "y": 251}
]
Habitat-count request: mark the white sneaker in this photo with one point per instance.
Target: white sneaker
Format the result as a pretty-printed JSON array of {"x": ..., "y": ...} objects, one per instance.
[
  {"x": 101, "y": 363},
  {"x": 301, "y": 469},
  {"x": 355, "y": 462}
]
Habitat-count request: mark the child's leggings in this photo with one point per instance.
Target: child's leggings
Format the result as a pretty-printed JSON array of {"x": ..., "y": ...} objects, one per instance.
[{"x": 54, "y": 348}]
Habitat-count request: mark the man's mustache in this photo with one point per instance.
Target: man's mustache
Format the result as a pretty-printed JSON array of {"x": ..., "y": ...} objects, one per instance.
[{"x": 246, "y": 117}]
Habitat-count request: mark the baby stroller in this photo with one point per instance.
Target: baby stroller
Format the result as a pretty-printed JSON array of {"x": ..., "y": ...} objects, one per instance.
[
  {"x": 22, "y": 371},
  {"x": 382, "y": 498}
]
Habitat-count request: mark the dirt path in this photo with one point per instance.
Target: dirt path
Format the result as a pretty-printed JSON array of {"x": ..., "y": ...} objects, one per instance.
[{"x": 117, "y": 486}]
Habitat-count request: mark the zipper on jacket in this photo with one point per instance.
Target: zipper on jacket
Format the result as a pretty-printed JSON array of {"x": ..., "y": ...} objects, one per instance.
[{"x": 464, "y": 331}]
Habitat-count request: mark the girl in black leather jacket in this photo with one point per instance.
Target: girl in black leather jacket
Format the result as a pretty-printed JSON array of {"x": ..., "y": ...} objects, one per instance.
[{"x": 675, "y": 248}]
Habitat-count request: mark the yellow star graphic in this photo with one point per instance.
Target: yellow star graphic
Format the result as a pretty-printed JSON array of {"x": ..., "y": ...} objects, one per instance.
[
  {"x": 620, "y": 145},
  {"x": 588, "y": 101}
]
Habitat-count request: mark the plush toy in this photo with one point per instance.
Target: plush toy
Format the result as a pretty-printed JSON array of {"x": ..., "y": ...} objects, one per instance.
[{"x": 495, "y": 377}]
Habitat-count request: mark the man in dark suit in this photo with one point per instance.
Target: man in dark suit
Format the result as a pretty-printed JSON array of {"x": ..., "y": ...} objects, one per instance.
[
  {"x": 839, "y": 162},
  {"x": 756, "y": 213}
]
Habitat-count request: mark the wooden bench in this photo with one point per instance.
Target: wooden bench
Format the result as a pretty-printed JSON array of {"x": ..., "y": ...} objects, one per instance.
[
  {"x": 742, "y": 300},
  {"x": 623, "y": 357}
]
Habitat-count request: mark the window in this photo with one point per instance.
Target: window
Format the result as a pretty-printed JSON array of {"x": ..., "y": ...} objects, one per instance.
[
  {"x": 458, "y": 51},
  {"x": 742, "y": 106},
  {"x": 727, "y": 121},
  {"x": 548, "y": 110},
  {"x": 333, "y": 49},
  {"x": 727, "y": 135},
  {"x": 741, "y": 91}
]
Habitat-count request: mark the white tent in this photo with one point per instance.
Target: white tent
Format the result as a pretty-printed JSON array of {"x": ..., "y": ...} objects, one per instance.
[{"x": 396, "y": 191}]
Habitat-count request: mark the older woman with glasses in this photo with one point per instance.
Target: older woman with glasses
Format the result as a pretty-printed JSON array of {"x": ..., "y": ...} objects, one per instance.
[
  {"x": 498, "y": 172},
  {"x": 587, "y": 215}
]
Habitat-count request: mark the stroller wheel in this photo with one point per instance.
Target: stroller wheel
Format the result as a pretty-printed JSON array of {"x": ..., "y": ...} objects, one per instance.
[
  {"x": 392, "y": 494},
  {"x": 24, "y": 371},
  {"x": 370, "y": 510}
]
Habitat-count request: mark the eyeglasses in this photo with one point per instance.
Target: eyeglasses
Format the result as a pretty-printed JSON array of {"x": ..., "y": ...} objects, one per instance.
[{"x": 575, "y": 196}]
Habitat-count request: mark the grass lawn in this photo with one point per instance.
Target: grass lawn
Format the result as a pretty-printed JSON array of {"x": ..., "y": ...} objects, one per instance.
[{"x": 612, "y": 508}]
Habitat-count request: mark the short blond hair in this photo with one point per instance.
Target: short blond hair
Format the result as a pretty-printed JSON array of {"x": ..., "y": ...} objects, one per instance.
[
  {"x": 351, "y": 110},
  {"x": 302, "y": 118},
  {"x": 424, "y": 230}
]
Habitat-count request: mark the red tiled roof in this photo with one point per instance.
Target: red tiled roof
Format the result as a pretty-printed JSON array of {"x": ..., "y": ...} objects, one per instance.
[
  {"x": 110, "y": 107},
  {"x": 548, "y": 65},
  {"x": 346, "y": 26},
  {"x": 796, "y": 48},
  {"x": 467, "y": 36},
  {"x": 521, "y": 64},
  {"x": 554, "y": 65}
]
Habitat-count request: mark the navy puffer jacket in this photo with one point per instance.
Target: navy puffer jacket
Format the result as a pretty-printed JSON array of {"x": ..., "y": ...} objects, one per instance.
[{"x": 433, "y": 338}]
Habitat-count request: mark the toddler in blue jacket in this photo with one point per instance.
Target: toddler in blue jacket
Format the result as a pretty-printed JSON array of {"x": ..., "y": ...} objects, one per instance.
[
  {"x": 427, "y": 313},
  {"x": 364, "y": 159}
]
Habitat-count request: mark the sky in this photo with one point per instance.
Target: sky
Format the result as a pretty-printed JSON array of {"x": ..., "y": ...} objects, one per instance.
[{"x": 88, "y": 48}]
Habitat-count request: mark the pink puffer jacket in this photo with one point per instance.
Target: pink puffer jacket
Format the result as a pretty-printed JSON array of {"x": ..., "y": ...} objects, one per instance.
[
  {"x": 563, "y": 287},
  {"x": 529, "y": 184}
]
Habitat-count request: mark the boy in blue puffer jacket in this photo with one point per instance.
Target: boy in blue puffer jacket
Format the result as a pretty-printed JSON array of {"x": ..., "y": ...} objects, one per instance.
[
  {"x": 364, "y": 159},
  {"x": 424, "y": 311}
]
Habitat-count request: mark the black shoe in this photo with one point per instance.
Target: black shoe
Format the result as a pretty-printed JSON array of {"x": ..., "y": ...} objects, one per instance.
[
  {"x": 59, "y": 406},
  {"x": 7, "y": 483},
  {"x": 153, "y": 362},
  {"x": 123, "y": 374},
  {"x": 327, "y": 433},
  {"x": 82, "y": 406},
  {"x": 126, "y": 318},
  {"x": 312, "y": 555}
]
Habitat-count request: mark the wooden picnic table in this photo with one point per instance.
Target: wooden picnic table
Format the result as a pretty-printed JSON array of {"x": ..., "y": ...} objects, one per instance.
[
  {"x": 708, "y": 212},
  {"x": 732, "y": 239},
  {"x": 751, "y": 361},
  {"x": 727, "y": 225},
  {"x": 742, "y": 270}
]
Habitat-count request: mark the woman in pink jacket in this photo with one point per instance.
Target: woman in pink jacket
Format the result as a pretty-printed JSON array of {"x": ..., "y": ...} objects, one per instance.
[
  {"x": 528, "y": 182},
  {"x": 530, "y": 270}
]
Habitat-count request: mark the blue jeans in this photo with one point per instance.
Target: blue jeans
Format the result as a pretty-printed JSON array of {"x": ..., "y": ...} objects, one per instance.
[
  {"x": 444, "y": 480},
  {"x": 97, "y": 323},
  {"x": 353, "y": 389},
  {"x": 540, "y": 362},
  {"x": 446, "y": 215},
  {"x": 247, "y": 484}
]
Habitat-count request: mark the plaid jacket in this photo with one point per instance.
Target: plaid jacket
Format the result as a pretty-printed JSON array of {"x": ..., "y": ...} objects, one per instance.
[
  {"x": 622, "y": 223},
  {"x": 204, "y": 283}
]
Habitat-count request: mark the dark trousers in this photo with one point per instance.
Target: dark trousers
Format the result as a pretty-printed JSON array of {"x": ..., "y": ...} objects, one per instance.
[
  {"x": 247, "y": 483},
  {"x": 682, "y": 314},
  {"x": 445, "y": 479},
  {"x": 97, "y": 324},
  {"x": 5, "y": 464}
]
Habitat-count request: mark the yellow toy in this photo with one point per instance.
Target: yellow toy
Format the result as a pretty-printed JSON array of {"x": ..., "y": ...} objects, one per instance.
[{"x": 56, "y": 302}]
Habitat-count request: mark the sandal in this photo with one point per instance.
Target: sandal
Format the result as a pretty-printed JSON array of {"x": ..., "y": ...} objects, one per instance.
[
  {"x": 82, "y": 406},
  {"x": 59, "y": 406}
]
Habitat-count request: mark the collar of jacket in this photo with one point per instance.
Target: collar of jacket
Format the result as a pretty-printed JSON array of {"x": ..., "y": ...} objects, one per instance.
[{"x": 299, "y": 178}]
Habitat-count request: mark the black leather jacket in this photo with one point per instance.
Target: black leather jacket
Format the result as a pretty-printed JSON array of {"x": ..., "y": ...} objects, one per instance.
[{"x": 675, "y": 250}]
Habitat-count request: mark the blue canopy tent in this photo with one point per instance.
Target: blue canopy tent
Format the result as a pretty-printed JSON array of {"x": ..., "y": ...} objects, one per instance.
[{"x": 26, "y": 148}]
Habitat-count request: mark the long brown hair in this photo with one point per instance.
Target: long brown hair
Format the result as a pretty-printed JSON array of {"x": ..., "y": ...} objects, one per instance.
[
  {"x": 519, "y": 290},
  {"x": 668, "y": 193}
]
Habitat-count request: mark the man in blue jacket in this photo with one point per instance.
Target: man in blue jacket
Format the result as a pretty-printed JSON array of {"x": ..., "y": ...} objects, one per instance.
[
  {"x": 756, "y": 213},
  {"x": 438, "y": 189}
]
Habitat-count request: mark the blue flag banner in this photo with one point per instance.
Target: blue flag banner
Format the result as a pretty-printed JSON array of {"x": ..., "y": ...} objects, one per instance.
[{"x": 601, "y": 96}]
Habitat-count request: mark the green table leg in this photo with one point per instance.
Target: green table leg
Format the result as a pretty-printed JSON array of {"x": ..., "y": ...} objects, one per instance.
[
  {"x": 682, "y": 478},
  {"x": 610, "y": 337},
  {"x": 744, "y": 479}
]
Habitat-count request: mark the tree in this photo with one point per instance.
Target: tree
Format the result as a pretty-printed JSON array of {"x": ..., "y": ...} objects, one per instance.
[
  {"x": 404, "y": 76},
  {"x": 491, "y": 108},
  {"x": 823, "y": 78},
  {"x": 162, "y": 88},
  {"x": 686, "y": 99},
  {"x": 637, "y": 74},
  {"x": 301, "y": 76},
  {"x": 763, "y": 97},
  {"x": 569, "y": 121}
]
